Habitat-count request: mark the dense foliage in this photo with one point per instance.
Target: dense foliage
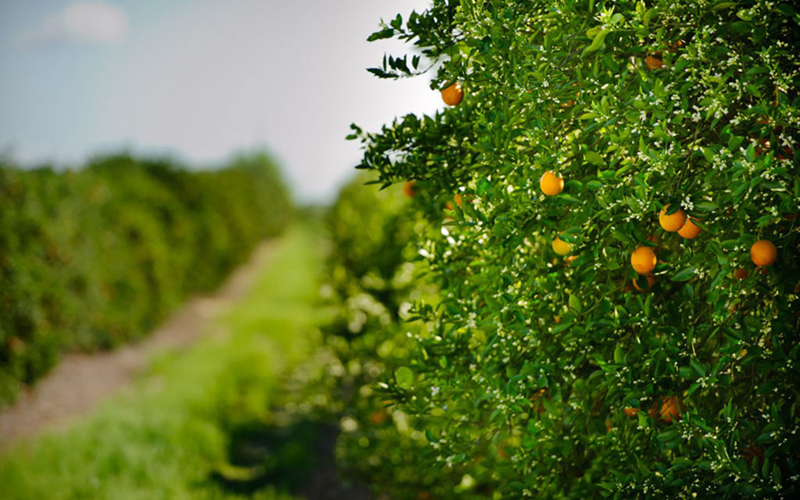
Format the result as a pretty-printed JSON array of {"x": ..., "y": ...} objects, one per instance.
[
  {"x": 371, "y": 285},
  {"x": 537, "y": 374},
  {"x": 95, "y": 257}
]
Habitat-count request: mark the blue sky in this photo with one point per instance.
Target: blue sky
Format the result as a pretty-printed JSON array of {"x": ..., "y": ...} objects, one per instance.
[{"x": 201, "y": 79}]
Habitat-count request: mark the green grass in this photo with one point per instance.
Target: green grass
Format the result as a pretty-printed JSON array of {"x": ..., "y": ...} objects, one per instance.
[{"x": 165, "y": 436}]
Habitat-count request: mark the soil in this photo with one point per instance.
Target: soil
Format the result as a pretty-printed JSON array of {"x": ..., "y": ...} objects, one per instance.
[{"x": 81, "y": 381}]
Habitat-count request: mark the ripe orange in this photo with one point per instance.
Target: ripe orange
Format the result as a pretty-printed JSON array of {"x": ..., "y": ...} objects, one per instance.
[
  {"x": 453, "y": 95},
  {"x": 671, "y": 408},
  {"x": 764, "y": 146},
  {"x": 631, "y": 412},
  {"x": 536, "y": 401},
  {"x": 643, "y": 260},
  {"x": 459, "y": 199},
  {"x": 654, "y": 62},
  {"x": 551, "y": 183},
  {"x": 650, "y": 282},
  {"x": 561, "y": 247},
  {"x": 689, "y": 230},
  {"x": 410, "y": 189},
  {"x": 15, "y": 344},
  {"x": 378, "y": 417},
  {"x": 675, "y": 46},
  {"x": 751, "y": 452},
  {"x": 740, "y": 274},
  {"x": 672, "y": 222},
  {"x": 763, "y": 253}
]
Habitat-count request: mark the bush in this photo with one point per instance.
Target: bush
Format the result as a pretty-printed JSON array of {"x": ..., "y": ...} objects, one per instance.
[
  {"x": 543, "y": 375},
  {"x": 96, "y": 257}
]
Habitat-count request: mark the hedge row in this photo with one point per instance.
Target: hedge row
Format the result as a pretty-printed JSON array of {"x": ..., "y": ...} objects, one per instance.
[
  {"x": 96, "y": 257},
  {"x": 583, "y": 340}
]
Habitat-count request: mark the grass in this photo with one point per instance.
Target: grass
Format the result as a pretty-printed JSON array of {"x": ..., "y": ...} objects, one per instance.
[{"x": 166, "y": 436}]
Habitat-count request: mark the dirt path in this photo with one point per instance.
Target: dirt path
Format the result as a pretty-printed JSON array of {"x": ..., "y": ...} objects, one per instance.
[{"x": 80, "y": 381}]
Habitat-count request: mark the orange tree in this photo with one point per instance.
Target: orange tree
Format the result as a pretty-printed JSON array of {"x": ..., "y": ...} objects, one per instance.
[{"x": 588, "y": 133}]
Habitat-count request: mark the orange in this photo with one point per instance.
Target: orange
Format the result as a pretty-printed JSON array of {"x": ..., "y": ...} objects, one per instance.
[
  {"x": 378, "y": 417},
  {"x": 763, "y": 253},
  {"x": 671, "y": 408},
  {"x": 453, "y": 95},
  {"x": 689, "y": 230},
  {"x": 15, "y": 344},
  {"x": 675, "y": 46},
  {"x": 740, "y": 274},
  {"x": 459, "y": 199},
  {"x": 410, "y": 189},
  {"x": 536, "y": 401},
  {"x": 650, "y": 282},
  {"x": 631, "y": 412},
  {"x": 672, "y": 222},
  {"x": 764, "y": 145},
  {"x": 751, "y": 452},
  {"x": 561, "y": 247},
  {"x": 551, "y": 183},
  {"x": 654, "y": 62},
  {"x": 643, "y": 260}
]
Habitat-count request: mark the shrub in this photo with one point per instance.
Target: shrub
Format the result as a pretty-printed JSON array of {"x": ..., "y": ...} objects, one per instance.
[
  {"x": 96, "y": 257},
  {"x": 548, "y": 376}
]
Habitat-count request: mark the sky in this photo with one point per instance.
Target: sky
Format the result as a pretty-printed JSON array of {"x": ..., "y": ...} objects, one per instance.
[{"x": 202, "y": 80}]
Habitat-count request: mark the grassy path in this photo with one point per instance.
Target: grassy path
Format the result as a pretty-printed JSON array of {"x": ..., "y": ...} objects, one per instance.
[
  {"x": 163, "y": 437},
  {"x": 81, "y": 381}
]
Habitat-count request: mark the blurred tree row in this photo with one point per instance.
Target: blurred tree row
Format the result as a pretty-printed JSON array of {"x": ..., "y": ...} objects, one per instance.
[{"x": 96, "y": 257}]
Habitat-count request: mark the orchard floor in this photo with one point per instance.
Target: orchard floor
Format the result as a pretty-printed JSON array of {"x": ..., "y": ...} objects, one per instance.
[{"x": 200, "y": 422}]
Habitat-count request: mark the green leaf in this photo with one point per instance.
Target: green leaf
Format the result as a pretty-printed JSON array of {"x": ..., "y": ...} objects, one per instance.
[
  {"x": 597, "y": 42},
  {"x": 404, "y": 377},
  {"x": 698, "y": 367},
  {"x": 594, "y": 158},
  {"x": 648, "y": 16},
  {"x": 684, "y": 274},
  {"x": 619, "y": 355},
  {"x": 575, "y": 303},
  {"x": 386, "y": 32},
  {"x": 723, "y": 5}
]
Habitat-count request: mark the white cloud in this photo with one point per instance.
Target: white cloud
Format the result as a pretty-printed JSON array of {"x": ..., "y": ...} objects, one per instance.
[{"x": 88, "y": 21}]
